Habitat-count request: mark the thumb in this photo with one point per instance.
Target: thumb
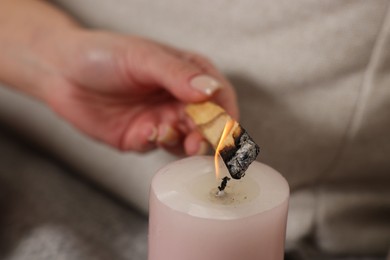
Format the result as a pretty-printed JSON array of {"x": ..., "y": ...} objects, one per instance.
[{"x": 185, "y": 80}]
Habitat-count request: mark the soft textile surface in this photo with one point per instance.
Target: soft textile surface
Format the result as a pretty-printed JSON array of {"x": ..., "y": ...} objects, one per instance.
[{"x": 47, "y": 212}]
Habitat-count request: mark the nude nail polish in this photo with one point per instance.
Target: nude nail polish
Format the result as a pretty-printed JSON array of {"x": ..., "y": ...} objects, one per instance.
[
  {"x": 205, "y": 84},
  {"x": 167, "y": 136}
]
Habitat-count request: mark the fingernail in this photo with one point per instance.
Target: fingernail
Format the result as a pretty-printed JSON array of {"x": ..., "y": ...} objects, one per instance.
[
  {"x": 153, "y": 135},
  {"x": 205, "y": 84},
  {"x": 167, "y": 136},
  {"x": 203, "y": 148}
]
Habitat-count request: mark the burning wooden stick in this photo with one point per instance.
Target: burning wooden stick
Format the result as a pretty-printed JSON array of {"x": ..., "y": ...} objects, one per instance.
[{"x": 237, "y": 149}]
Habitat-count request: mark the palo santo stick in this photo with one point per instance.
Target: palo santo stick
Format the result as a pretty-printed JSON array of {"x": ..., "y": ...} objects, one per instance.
[{"x": 238, "y": 150}]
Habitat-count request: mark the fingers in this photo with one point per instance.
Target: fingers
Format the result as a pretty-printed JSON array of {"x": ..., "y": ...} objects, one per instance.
[
  {"x": 227, "y": 96},
  {"x": 153, "y": 126},
  {"x": 144, "y": 139},
  {"x": 186, "y": 81},
  {"x": 170, "y": 139},
  {"x": 178, "y": 143},
  {"x": 194, "y": 144},
  {"x": 139, "y": 137},
  {"x": 162, "y": 126},
  {"x": 189, "y": 77}
]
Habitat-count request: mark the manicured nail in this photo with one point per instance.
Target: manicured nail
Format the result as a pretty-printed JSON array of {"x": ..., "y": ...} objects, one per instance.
[
  {"x": 167, "y": 136},
  {"x": 153, "y": 135},
  {"x": 205, "y": 84},
  {"x": 203, "y": 148}
]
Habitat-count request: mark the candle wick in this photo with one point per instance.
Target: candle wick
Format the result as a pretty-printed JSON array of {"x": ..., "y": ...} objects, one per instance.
[
  {"x": 222, "y": 187},
  {"x": 220, "y": 193}
]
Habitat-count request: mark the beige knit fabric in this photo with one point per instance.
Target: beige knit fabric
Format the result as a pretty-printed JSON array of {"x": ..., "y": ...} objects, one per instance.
[{"x": 313, "y": 79}]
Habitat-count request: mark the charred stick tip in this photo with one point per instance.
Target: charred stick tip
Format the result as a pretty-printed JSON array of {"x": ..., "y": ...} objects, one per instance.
[{"x": 237, "y": 158}]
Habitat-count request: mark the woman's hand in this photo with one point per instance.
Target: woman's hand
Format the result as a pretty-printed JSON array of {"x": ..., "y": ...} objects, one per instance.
[
  {"x": 130, "y": 92},
  {"x": 126, "y": 91}
]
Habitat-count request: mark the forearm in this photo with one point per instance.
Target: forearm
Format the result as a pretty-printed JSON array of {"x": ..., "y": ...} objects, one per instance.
[{"x": 27, "y": 28}]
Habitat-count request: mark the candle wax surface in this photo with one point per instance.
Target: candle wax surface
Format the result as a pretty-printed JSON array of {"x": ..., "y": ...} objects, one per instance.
[
  {"x": 188, "y": 221},
  {"x": 190, "y": 186}
]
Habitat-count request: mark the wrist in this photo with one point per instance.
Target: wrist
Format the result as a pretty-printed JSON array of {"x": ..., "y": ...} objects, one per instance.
[
  {"x": 28, "y": 32},
  {"x": 51, "y": 49}
]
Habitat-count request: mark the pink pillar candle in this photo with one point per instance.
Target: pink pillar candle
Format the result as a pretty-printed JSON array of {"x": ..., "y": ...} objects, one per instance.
[{"x": 189, "y": 222}]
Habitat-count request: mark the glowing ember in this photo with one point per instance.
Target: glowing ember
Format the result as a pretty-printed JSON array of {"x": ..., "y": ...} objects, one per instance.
[{"x": 228, "y": 127}]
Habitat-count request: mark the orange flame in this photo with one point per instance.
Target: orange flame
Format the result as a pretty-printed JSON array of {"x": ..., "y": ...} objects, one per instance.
[{"x": 228, "y": 127}]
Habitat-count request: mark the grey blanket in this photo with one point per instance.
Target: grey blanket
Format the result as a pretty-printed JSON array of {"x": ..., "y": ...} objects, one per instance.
[{"x": 47, "y": 212}]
